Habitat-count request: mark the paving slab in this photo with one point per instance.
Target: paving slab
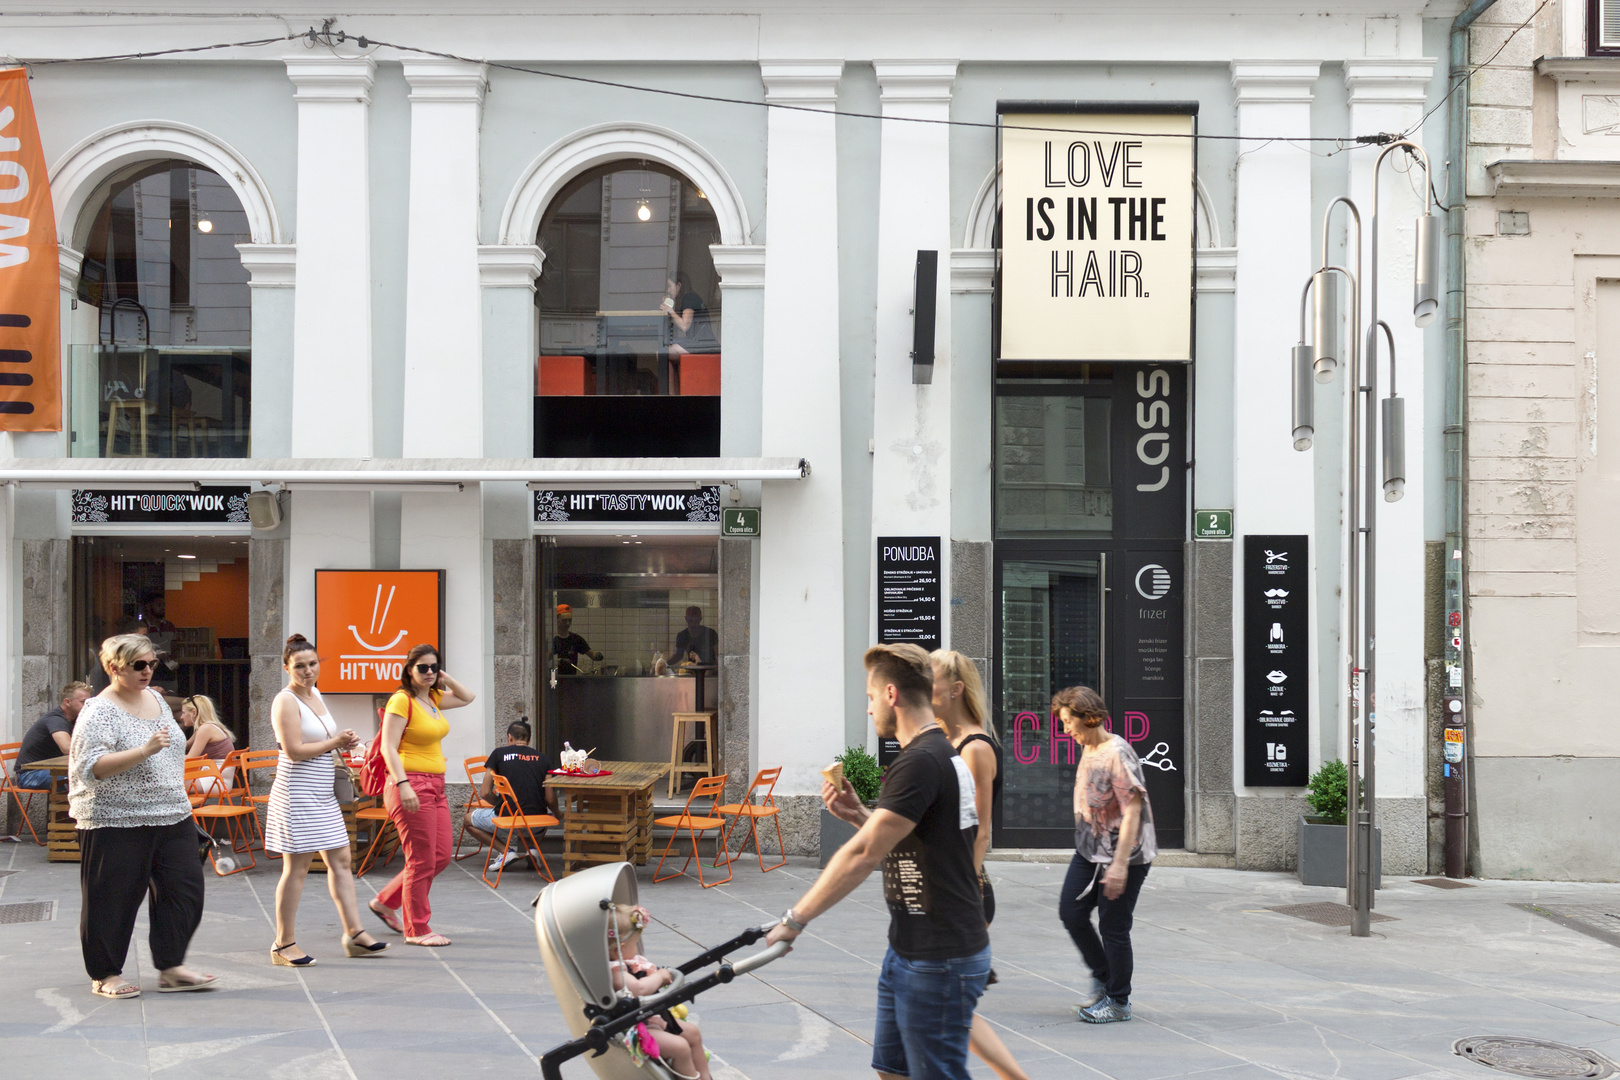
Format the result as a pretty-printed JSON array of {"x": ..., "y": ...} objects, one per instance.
[{"x": 1224, "y": 989}]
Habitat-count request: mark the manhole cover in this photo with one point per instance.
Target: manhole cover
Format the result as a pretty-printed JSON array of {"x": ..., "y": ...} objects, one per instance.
[
  {"x": 1326, "y": 914},
  {"x": 30, "y": 911},
  {"x": 1602, "y": 923},
  {"x": 1442, "y": 883},
  {"x": 1533, "y": 1057}
]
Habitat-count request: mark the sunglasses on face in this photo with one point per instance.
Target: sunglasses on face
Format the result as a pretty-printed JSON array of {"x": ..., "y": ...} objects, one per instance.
[
  {"x": 427, "y": 669},
  {"x": 143, "y": 665}
]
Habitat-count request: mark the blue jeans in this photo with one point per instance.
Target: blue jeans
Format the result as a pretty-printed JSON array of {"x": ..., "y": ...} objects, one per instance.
[
  {"x": 483, "y": 819},
  {"x": 34, "y": 778},
  {"x": 925, "y": 1011}
]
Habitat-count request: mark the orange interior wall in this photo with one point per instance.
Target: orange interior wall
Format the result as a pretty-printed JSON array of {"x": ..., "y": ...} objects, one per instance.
[{"x": 219, "y": 600}]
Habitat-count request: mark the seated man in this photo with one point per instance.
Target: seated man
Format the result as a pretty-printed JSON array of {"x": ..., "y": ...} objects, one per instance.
[
  {"x": 50, "y": 736},
  {"x": 525, "y": 768}
]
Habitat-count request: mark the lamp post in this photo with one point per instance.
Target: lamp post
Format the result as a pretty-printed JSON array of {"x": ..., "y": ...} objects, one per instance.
[{"x": 1319, "y": 362}]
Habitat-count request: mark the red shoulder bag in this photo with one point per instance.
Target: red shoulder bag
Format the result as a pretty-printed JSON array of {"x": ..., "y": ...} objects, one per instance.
[{"x": 374, "y": 770}]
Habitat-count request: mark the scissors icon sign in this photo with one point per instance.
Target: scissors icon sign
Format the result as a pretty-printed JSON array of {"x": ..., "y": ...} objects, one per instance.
[{"x": 1163, "y": 764}]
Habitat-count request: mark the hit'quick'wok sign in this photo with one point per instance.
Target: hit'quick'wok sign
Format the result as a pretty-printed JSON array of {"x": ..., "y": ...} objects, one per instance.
[{"x": 1097, "y": 232}]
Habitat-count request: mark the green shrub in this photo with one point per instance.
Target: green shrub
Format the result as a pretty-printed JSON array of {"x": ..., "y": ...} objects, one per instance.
[
  {"x": 863, "y": 772},
  {"x": 1326, "y": 791}
]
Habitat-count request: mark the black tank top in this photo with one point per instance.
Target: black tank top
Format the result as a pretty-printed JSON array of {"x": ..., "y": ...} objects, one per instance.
[{"x": 995, "y": 748}]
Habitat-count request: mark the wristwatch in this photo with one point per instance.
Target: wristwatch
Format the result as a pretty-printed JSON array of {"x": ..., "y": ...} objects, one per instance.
[{"x": 791, "y": 923}]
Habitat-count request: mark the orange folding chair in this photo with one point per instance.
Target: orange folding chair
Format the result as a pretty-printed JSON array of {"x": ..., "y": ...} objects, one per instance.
[
  {"x": 510, "y": 818},
  {"x": 9, "y": 784},
  {"x": 475, "y": 769},
  {"x": 708, "y": 787},
  {"x": 377, "y": 823},
  {"x": 227, "y": 810},
  {"x": 247, "y": 762},
  {"x": 765, "y": 778}
]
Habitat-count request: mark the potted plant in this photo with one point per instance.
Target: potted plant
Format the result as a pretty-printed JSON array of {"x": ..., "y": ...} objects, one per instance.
[
  {"x": 865, "y": 775},
  {"x": 1322, "y": 833}
]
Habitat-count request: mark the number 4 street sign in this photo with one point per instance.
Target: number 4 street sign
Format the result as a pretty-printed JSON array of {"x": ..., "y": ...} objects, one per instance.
[
  {"x": 739, "y": 521},
  {"x": 1212, "y": 525}
]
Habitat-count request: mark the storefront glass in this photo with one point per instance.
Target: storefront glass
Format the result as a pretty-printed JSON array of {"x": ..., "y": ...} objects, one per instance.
[
  {"x": 629, "y": 318},
  {"x": 166, "y": 371}
]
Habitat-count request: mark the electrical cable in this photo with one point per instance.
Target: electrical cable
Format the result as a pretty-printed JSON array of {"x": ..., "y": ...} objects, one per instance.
[{"x": 1460, "y": 80}]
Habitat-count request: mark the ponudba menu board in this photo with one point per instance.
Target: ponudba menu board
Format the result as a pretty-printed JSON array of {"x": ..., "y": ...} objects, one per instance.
[
  {"x": 1097, "y": 233},
  {"x": 908, "y": 590}
]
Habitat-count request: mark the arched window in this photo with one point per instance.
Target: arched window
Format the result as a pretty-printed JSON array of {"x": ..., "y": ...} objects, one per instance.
[
  {"x": 161, "y": 364},
  {"x": 629, "y": 318}
]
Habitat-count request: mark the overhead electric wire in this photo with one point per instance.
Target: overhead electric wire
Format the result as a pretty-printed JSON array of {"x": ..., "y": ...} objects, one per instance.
[{"x": 1459, "y": 80}]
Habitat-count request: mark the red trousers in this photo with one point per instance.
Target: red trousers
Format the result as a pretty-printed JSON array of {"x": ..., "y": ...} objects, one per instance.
[{"x": 428, "y": 840}]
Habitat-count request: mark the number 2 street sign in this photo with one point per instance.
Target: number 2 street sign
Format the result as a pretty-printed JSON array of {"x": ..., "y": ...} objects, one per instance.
[{"x": 1212, "y": 525}]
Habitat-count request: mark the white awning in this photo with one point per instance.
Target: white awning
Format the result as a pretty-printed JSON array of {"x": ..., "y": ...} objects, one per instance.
[{"x": 367, "y": 474}]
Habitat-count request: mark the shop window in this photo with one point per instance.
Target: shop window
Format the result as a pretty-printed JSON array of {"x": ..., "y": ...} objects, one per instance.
[
  {"x": 1052, "y": 455},
  {"x": 161, "y": 365},
  {"x": 629, "y": 318},
  {"x": 1602, "y": 28}
]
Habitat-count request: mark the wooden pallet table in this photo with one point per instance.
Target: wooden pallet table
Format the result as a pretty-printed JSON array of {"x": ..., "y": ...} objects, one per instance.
[
  {"x": 608, "y": 818},
  {"x": 61, "y": 832}
]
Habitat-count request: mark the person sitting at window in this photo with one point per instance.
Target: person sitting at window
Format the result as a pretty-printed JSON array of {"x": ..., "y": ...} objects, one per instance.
[
  {"x": 525, "y": 768},
  {"x": 690, "y": 328}
]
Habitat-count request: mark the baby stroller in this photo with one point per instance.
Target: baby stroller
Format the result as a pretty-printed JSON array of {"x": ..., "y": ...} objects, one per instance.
[{"x": 571, "y": 923}]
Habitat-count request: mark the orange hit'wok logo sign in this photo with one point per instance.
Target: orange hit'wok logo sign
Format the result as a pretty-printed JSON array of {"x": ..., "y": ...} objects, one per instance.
[
  {"x": 366, "y": 621},
  {"x": 30, "y": 305}
]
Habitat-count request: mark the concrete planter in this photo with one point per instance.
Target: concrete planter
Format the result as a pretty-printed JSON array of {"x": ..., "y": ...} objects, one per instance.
[
  {"x": 1321, "y": 853},
  {"x": 835, "y": 833}
]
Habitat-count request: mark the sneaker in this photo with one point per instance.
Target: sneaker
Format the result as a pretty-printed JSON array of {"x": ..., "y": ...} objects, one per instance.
[
  {"x": 502, "y": 860},
  {"x": 1109, "y": 1010},
  {"x": 534, "y": 859},
  {"x": 1094, "y": 994}
]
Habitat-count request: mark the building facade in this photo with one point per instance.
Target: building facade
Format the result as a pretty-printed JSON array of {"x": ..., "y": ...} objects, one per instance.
[
  {"x": 536, "y": 318},
  {"x": 1542, "y": 235}
]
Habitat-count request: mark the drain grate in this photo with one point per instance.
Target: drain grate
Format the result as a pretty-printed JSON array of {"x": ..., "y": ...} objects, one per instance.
[
  {"x": 1442, "y": 883},
  {"x": 1326, "y": 914},
  {"x": 28, "y": 911},
  {"x": 1591, "y": 920},
  {"x": 1533, "y": 1057}
]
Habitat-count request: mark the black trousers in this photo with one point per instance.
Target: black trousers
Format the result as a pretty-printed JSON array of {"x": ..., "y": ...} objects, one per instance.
[
  {"x": 1105, "y": 948},
  {"x": 117, "y": 868}
]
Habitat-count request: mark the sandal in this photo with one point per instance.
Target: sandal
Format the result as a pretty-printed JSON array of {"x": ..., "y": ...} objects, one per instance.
[
  {"x": 99, "y": 988},
  {"x": 430, "y": 940},
  {"x": 284, "y": 961},
  {"x": 183, "y": 986},
  {"x": 389, "y": 919}
]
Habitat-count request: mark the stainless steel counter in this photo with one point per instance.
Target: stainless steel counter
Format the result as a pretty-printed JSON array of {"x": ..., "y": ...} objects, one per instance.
[{"x": 623, "y": 717}]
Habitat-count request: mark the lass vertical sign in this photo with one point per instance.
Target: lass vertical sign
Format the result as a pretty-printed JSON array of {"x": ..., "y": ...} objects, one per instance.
[{"x": 30, "y": 350}]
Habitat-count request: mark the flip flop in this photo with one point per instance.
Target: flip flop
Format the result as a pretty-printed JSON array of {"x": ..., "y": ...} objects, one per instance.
[
  {"x": 98, "y": 987},
  {"x": 183, "y": 987},
  {"x": 389, "y": 919},
  {"x": 430, "y": 940}
]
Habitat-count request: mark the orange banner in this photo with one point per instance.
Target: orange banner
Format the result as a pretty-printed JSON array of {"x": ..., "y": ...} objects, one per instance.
[{"x": 30, "y": 280}]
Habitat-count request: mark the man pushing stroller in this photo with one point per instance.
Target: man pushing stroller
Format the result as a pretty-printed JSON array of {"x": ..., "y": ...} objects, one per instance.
[{"x": 922, "y": 833}]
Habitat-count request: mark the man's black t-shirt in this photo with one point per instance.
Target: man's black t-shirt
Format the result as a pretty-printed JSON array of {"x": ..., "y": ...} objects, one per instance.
[
  {"x": 935, "y": 909},
  {"x": 703, "y": 641},
  {"x": 569, "y": 646},
  {"x": 37, "y": 744},
  {"x": 525, "y": 769}
]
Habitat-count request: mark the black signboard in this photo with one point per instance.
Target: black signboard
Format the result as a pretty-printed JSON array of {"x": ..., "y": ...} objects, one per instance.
[
  {"x": 1146, "y": 699},
  {"x": 1276, "y": 661},
  {"x": 1149, "y": 451},
  {"x": 210, "y": 506},
  {"x": 908, "y": 601},
  {"x": 695, "y": 505}
]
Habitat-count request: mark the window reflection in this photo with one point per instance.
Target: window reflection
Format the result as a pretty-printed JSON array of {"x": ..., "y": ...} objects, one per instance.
[{"x": 629, "y": 318}]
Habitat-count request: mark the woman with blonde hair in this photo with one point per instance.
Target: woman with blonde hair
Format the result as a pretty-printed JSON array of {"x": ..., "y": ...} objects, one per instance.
[
  {"x": 127, "y": 794},
  {"x": 209, "y": 739},
  {"x": 959, "y": 703}
]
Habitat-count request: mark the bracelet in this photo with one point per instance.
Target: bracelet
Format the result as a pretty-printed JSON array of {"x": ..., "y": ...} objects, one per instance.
[
  {"x": 791, "y": 923},
  {"x": 397, "y": 783}
]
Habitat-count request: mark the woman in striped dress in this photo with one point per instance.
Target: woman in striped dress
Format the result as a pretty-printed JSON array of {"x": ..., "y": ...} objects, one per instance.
[{"x": 304, "y": 816}]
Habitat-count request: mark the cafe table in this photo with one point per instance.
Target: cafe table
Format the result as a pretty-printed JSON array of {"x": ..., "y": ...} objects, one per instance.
[
  {"x": 61, "y": 833},
  {"x": 607, "y": 818}
]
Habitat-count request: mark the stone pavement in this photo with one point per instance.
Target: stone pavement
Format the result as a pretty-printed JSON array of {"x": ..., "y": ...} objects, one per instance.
[{"x": 1225, "y": 989}]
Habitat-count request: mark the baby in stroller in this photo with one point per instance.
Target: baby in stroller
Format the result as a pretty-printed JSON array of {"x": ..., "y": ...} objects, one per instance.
[{"x": 679, "y": 1045}]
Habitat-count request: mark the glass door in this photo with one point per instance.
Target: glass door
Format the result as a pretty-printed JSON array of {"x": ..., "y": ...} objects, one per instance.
[{"x": 1052, "y": 603}]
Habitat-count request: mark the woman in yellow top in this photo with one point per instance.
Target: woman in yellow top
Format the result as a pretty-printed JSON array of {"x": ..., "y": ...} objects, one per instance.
[{"x": 412, "y": 729}]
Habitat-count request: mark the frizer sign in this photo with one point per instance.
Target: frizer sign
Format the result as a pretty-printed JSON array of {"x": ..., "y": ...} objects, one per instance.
[{"x": 1097, "y": 232}]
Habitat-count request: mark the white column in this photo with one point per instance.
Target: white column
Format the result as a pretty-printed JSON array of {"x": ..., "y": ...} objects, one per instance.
[
  {"x": 332, "y": 317},
  {"x": 911, "y": 466},
  {"x": 1389, "y": 95},
  {"x": 507, "y": 273},
  {"x": 272, "y": 273},
  {"x": 444, "y": 401},
  {"x": 801, "y": 549},
  {"x": 1273, "y": 485},
  {"x": 742, "y": 282}
]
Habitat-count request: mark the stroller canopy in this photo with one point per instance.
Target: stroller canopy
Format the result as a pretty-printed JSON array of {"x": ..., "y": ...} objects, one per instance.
[{"x": 573, "y": 923}]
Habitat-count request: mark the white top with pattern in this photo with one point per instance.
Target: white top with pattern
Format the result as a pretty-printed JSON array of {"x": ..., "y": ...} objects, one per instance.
[{"x": 153, "y": 792}]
